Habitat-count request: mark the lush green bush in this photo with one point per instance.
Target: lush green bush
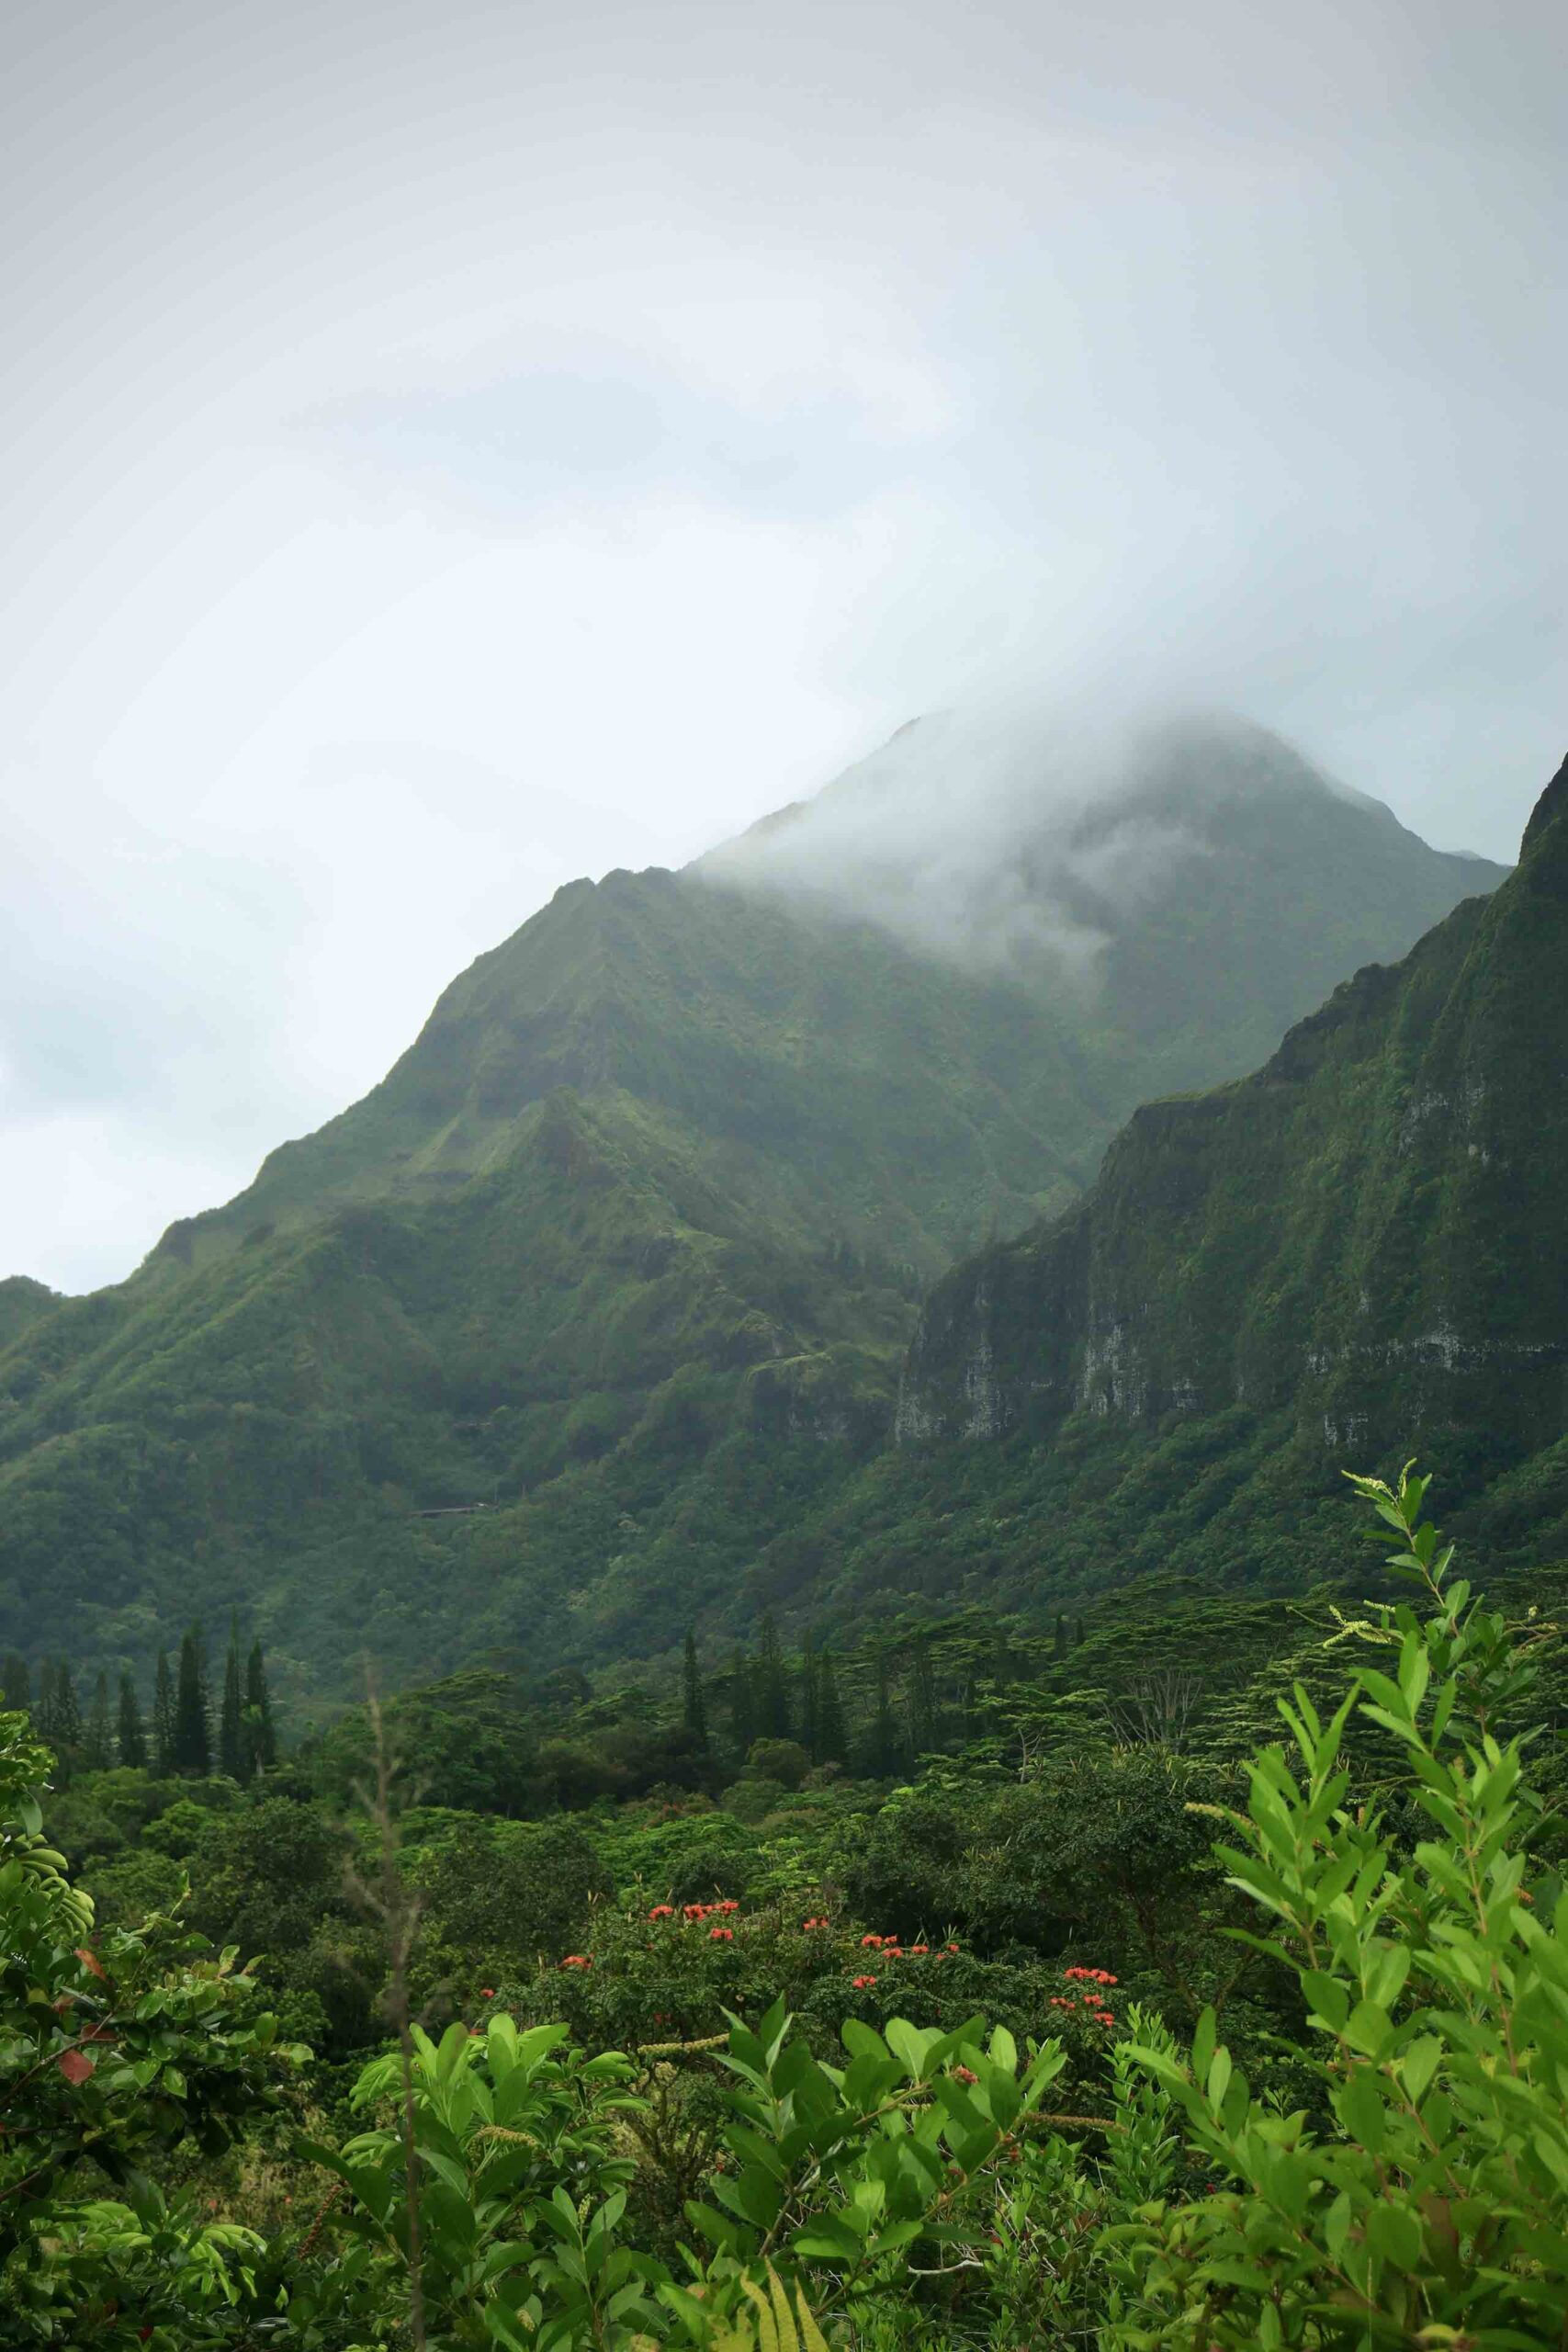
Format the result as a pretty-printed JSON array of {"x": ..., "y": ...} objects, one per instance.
[
  {"x": 115, "y": 2049},
  {"x": 601, "y": 2152},
  {"x": 1429, "y": 2203}
]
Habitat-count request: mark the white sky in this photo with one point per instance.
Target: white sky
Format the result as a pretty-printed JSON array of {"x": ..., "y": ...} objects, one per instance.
[{"x": 451, "y": 448}]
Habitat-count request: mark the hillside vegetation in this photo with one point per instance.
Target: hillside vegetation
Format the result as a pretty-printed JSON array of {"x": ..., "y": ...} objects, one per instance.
[
  {"x": 570, "y": 1331},
  {"x": 1141, "y": 2019}
]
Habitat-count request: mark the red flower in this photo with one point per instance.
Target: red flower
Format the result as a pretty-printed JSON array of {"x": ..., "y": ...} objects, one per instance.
[
  {"x": 921, "y": 1948},
  {"x": 807, "y": 1925},
  {"x": 1106, "y": 2017},
  {"x": 860, "y": 1982},
  {"x": 694, "y": 1911},
  {"x": 870, "y": 1943},
  {"x": 662, "y": 1911},
  {"x": 950, "y": 1946},
  {"x": 721, "y": 1934},
  {"x": 726, "y": 1906},
  {"x": 577, "y": 1960},
  {"x": 487, "y": 1992}
]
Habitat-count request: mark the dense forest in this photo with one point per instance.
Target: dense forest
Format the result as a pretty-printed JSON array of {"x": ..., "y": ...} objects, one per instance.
[{"x": 1190, "y": 1974}]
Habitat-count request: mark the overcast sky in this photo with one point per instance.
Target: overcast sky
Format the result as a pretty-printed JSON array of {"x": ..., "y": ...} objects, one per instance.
[{"x": 455, "y": 447}]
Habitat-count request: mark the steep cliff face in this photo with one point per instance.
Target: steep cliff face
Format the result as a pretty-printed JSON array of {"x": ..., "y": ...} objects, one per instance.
[{"x": 1370, "y": 1235}]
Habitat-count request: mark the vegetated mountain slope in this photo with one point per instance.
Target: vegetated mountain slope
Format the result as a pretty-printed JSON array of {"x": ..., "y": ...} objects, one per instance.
[
  {"x": 1363, "y": 1248},
  {"x": 560, "y": 1335},
  {"x": 23, "y": 1302}
]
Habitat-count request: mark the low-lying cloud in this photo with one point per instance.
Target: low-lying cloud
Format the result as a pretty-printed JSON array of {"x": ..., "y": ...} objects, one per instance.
[{"x": 1011, "y": 835}]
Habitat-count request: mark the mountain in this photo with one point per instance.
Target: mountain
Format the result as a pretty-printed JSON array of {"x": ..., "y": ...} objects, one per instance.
[
  {"x": 562, "y": 1335},
  {"x": 23, "y": 1302},
  {"x": 1359, "y": 1252}
]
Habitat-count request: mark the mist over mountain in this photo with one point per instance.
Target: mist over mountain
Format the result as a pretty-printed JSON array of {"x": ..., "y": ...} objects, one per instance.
[
  {"x": 1012, "y": 841},
  {"x": 570, "y": 1329},
  {"x": 1356, "y": 1253},
  {"x": 1080, "y": 853}
]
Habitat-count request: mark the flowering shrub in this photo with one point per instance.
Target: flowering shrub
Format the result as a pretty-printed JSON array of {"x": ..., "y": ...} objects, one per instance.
[{"x": 115, "y": 2048}]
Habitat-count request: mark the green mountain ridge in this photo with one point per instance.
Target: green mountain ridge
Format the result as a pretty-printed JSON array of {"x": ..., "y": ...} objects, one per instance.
[
  {"x": 1358, "y": 1250},
  {"x": 23, "y": 1302},
  {"x": 573, "y": 1328}
]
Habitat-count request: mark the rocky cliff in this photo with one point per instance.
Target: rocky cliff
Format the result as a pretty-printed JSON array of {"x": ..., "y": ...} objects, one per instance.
[{"x": 1369, "y": 1235}]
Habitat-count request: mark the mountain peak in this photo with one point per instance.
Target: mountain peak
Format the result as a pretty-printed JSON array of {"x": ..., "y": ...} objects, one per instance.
[{"x": 1548, "y": 815}]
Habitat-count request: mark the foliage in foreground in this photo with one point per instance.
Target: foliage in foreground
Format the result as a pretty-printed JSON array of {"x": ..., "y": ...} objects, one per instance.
[{"x": 1399, "y": 2178}]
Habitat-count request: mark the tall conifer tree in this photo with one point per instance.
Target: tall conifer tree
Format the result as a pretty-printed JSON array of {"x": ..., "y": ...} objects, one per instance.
[
  {"x": 67, "y": 1717},
  {"x": 163, "y": 1719},
  {"x": 772, "y": 1686},
  {"x": 810, "y": 1699},
  {"x": 260, "y": 1737},
  {"x": 16, "y": 1682},
  {"x": 742, "y": 1706},
  {"x": 693, "y": 1713},
  {"x": 98, "y": 1743},
  {"x": 46, "y": 1716},
  {"x": 922, "y": 1699},
  {"x": 830, "y": 1738},
  {"x": 231, "y": 1756},
  {"x": 130, "y": 1737},
  {"x": 193, "y": 1732},
  {"x": 883, "y": 1733}
]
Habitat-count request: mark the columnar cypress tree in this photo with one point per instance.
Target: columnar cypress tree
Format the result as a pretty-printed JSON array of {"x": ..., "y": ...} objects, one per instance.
[
  {"x": 693, "y": 1713},
  {"x": 193, "y": 1733},
  {"x": 97, "y": 1744},
  {"x": 16, "y": 1682},
  {"x": 922, "y": 1699},
  {"x": 742, "y": 1706},
  {"x": 772, "y": 1687},
  {"x": 811, "y": 1700},
  {"x": 46, "y": 1715},
  {"x": 260, "y": 1736},
  {"x": 67, "y": 1717},
  {"x": 884, "y": 1735},
  {"x": 830, "y": 1738},
  {"x": 131, "y": 1737},
  {"x": 59, "y": 1718},
  {"x": 163, "y": 1719},
  {"x": 231, "y": 1746}
]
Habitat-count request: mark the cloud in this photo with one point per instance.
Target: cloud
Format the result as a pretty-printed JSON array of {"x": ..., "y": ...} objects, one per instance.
[{"x": 1017, "y": 832}]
